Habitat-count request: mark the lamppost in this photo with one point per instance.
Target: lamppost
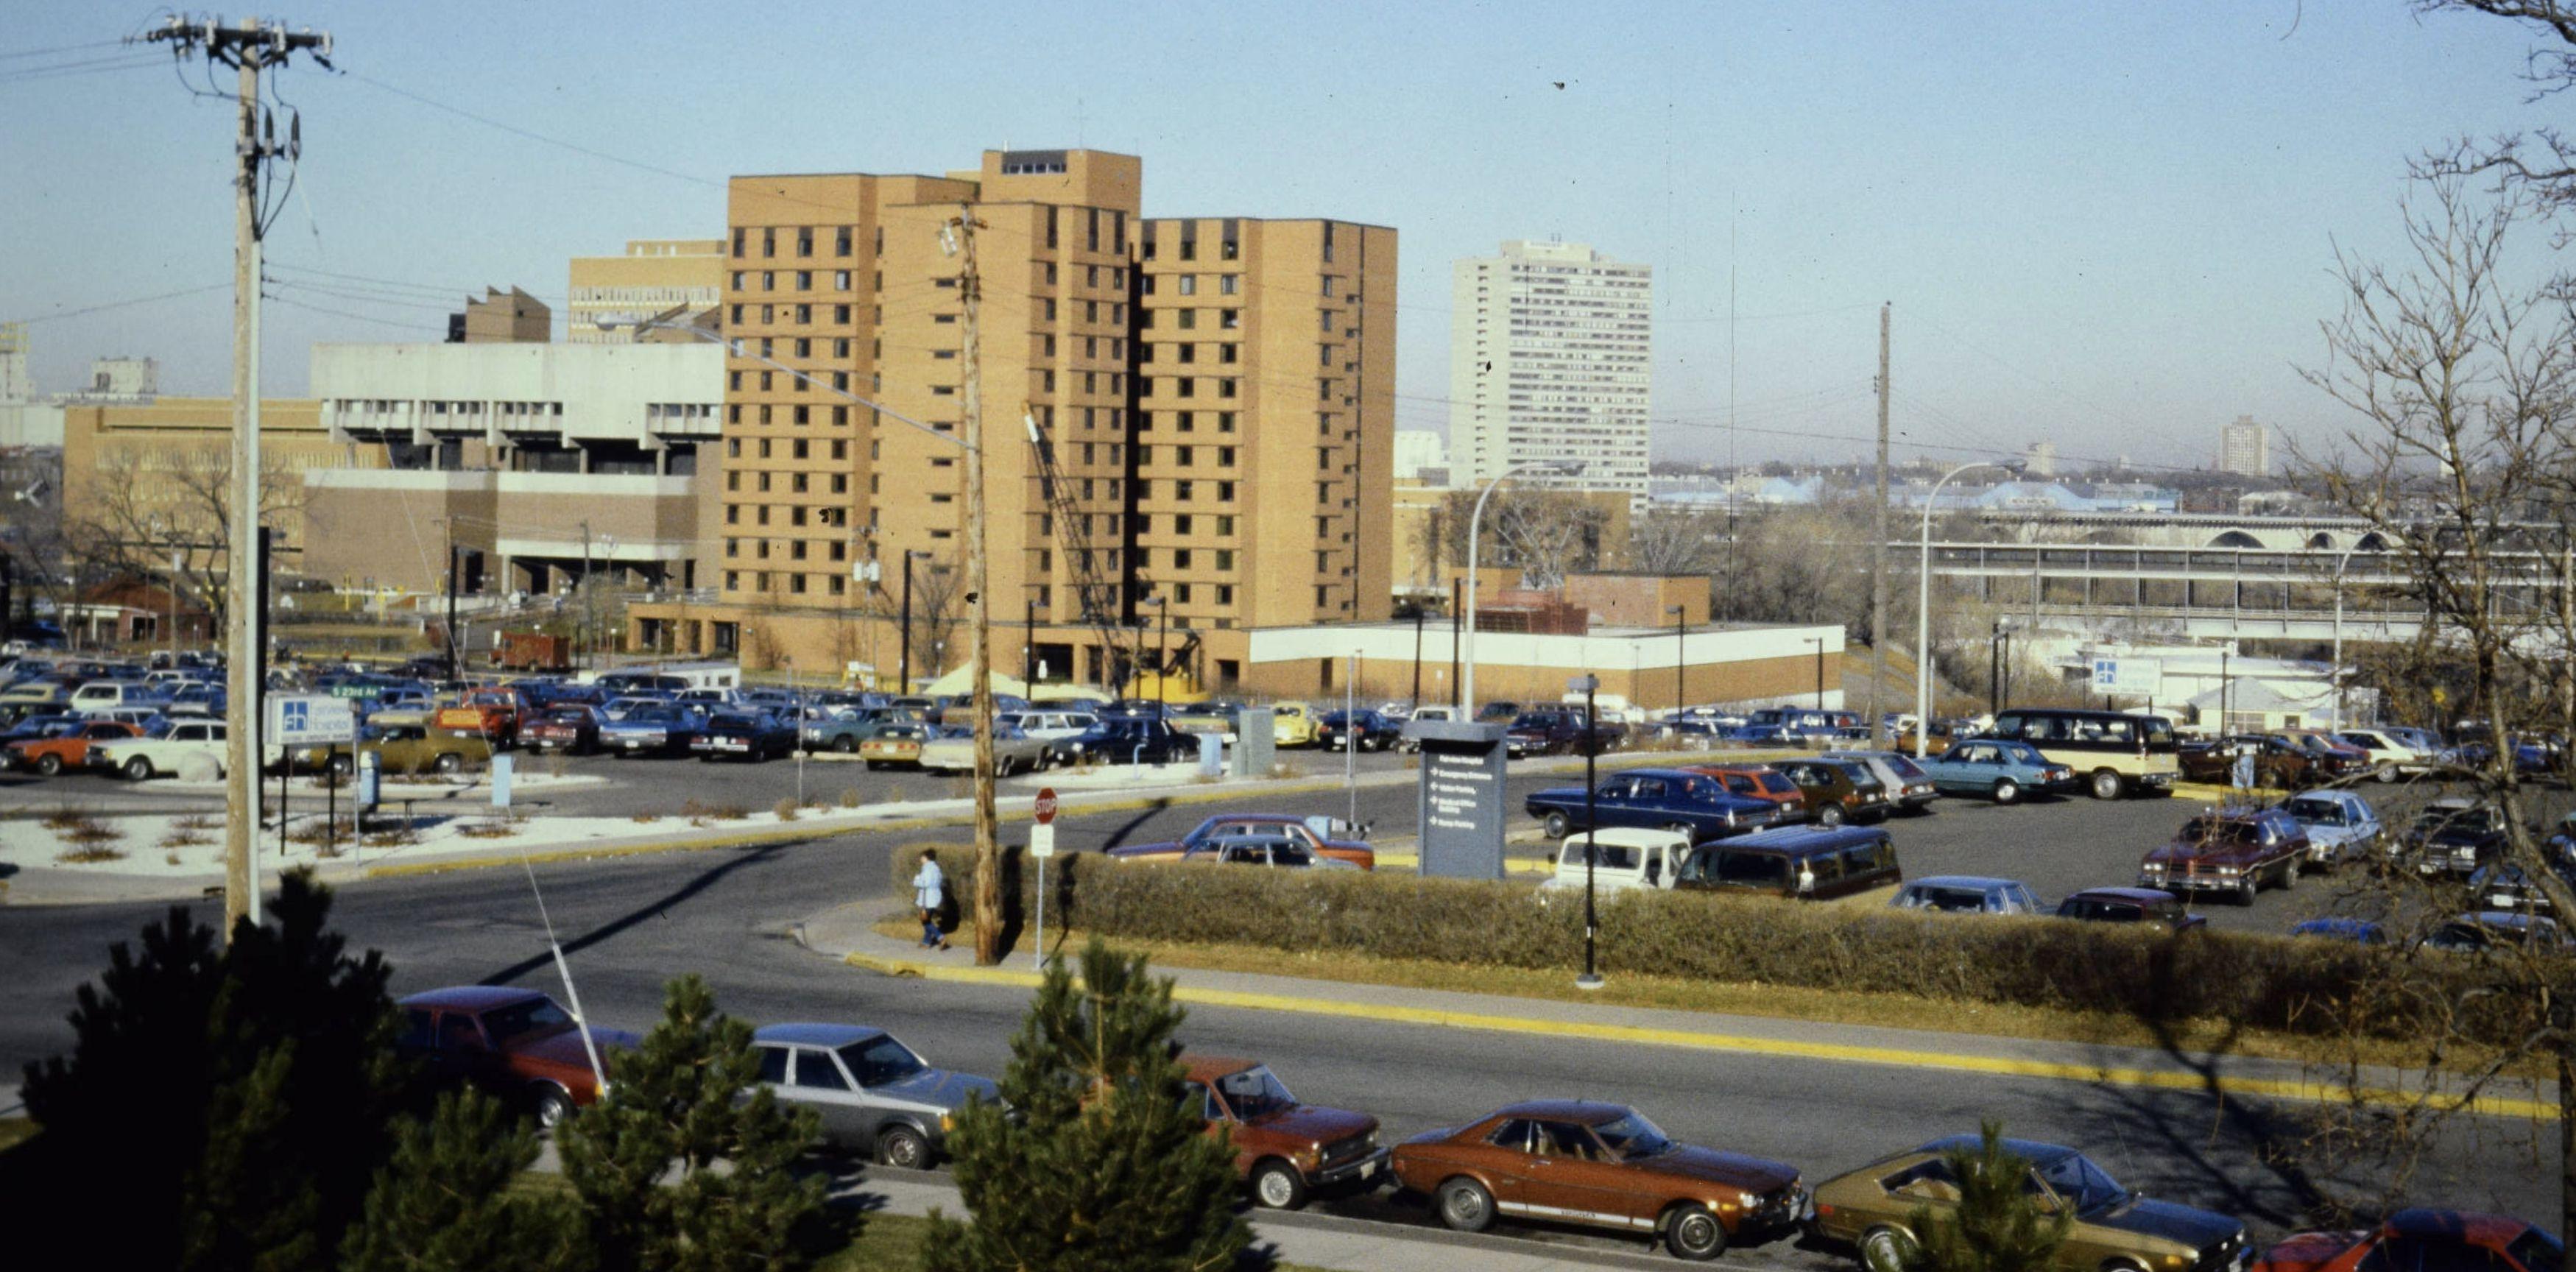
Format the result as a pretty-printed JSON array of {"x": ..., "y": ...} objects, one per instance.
[
  {"x": 1467, "y": 677},
  {"x": 903, "y": 683},
  {"x": 1819, "y": 643},
  {"x": 1162, "y": 629},
  {"x": 1591, "y": 977},
  {"x": 1923, "y": 603},
  {"x": 1681, "y": 636},
  {"x": 2337, "y": 670}
]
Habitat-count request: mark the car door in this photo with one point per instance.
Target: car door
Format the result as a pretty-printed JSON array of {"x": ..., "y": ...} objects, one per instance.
[
  {"x": 464, "y": 1054},
  {"x": 1575, "y": 1178},
  {"x": 818, "y": 1084}
]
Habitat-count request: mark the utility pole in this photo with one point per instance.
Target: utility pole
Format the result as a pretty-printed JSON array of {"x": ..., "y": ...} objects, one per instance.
[
  {"x": 249, "y": 49},
  {"x": 589, "y": 598},
  {"x": 1878, "y": 550},
  {"x": 988, "y": 851}
]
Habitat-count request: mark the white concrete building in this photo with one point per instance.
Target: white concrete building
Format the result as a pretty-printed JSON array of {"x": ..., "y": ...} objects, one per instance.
[
  {"x": 2245, "y": 447},
  {"x": 1417, "y": 449},
  {"x": 1551, "y": 349}
]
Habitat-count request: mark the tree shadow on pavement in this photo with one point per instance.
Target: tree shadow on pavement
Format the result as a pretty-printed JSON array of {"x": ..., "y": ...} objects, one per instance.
[{"x": 655, "y": 908}]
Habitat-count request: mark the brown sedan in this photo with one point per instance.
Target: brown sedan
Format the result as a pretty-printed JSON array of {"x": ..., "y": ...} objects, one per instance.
[
  {"x": 1282, "y": 1148},
  {"x": 1598, "y": 1165}
]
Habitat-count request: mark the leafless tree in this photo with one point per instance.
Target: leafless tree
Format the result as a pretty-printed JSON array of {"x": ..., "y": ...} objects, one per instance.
[
  {"x": 1675, "y": 542},
  {"x": 2459, "y": 456},
  {"x": 168, "y": 515},
  {"x": 938, "y": 605},
  {"x": 2539, "y": 165}
]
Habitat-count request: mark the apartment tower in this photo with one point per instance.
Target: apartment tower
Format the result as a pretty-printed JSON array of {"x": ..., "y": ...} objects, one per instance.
[
  {"x": 1551, "y": 349},
  {"x": 2245, "y": 448}
]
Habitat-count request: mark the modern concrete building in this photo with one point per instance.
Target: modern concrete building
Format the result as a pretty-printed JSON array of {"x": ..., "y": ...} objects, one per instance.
[
  {"x": 1551, "y": 350},
  {"x": 2039, "y": 459},
  {"x": 540, "y": 462},
  {"x": 1418, "y": 450},
  {"x": 1216, "y": 393},
  {"x": 651, "y": 277},
  {"x": 2245, "y": 447}
]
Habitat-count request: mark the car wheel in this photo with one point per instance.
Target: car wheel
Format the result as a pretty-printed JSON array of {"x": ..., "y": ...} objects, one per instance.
[
  {"x": 343, "y": 765},
  {"x": 1693, "y": 1233},
  {"x": 1002, "y": 767},
  {"x": 1557, "y": 825},
  {"x": 2290, "y": 873},
  {"x": 138, "y": 769},
  {"x": 2246, "y": 889},
  {"x": 2386, "y": 773},
  {"x": 904, "y": 1147},
  {"x": 2007, "y": 790},
  {"x": 451, "y": 762},
  {"x": 844, "y": 745},
  {"x": 1830, "y": 815},
  {"x": 2106, "y": 785},
  {"x": 49, "y": 765},
  {"x": 1277, "y": 1185},
  {"x": 1885, "y": 1249},
  {"x": 1464, "y": 1205},
  {"x": 1682, "y": 829},
  {"x": 552, "y": 1106}
]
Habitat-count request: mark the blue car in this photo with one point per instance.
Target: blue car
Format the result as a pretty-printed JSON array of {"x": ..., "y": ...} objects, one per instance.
[
  {"x": 1688, "y": 803},
  {"x": 2341, "y": 826},
  {"x": 1999, "y": 769},
  {"x": 2357, "y": 931}
]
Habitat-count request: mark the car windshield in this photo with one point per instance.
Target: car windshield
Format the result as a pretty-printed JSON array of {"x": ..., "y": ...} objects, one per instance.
[
  {"x": 1633, "y": 1137},
  {"x": 2083, "y": 1185},
  {"x": 880, "y": 1060},
  {"x": 1951, "y": 900},
  {"x": 2439, "y": 818},
  {"x": 1254, "y": 1093},
  {"x": 2207, "y": 830},
  {"x": 2324, "y": 812},
  {"x": 525, "y": 1021}
]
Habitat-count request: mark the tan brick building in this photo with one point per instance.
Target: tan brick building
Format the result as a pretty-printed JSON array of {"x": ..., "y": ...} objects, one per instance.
[
  {"x": 132, "y": 466},
  {"x": 1218, "y": 393},
  {"x": 652, "y": 276}
]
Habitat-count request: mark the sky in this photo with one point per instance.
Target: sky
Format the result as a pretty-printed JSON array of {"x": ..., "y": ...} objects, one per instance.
[{"x": 2110, "y": 226}]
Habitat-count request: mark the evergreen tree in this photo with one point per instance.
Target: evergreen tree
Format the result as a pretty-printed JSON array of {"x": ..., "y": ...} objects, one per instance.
[
  {"x": 641, "y": 1158},
  {"x": 1098, "y": 1166},
  {"x": 446, "y": 1202},
  {"x": 235, "y": 1100},
  {"x": 1997, "y": 1226}
]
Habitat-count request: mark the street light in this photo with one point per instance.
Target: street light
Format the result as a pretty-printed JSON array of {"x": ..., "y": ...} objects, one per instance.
[
  {"x": 1681, "y": 635},
  {"x": 903, "y": 683},
  {"x": 1163, "y": 629},
  {"x": 1819, "y": 643},
  {"x": 1923, "y": 603},
  {"x": 1591, "y": 977},
  {"x": 2337, "y": 672},
  {"x": 1558, "y": 467}
]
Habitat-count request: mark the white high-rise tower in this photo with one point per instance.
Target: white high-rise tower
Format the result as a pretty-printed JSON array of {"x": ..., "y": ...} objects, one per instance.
[{"x": 1551, "y": 349}]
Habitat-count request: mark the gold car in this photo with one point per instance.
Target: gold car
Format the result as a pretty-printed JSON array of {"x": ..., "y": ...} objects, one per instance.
[
  {"x": 2115, "y": 1229},
  {"x": 1292, "y": 724},
  {"x": 400, "y": 750}
]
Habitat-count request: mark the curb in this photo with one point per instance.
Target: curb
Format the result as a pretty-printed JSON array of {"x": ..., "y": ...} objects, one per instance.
[{"x": 2299, "y": 1090}]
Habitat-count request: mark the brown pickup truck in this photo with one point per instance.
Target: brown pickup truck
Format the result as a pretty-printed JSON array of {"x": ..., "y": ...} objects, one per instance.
[{"x": 1284, "y": 1149}]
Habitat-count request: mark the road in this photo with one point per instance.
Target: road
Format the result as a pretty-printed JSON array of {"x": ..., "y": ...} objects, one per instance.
[{"x": 630, "y": 924}]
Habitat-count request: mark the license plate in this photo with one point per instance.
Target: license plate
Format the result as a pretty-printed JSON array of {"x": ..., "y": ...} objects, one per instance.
[
  {"x": 2501, "y": 900},
  {"x": 1368, "y": 1171},
  {"x": 730, "y": 746}
]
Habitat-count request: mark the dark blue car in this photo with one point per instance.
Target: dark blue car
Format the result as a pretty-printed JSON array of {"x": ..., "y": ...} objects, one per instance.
[{"x": 1660, "y": 799}]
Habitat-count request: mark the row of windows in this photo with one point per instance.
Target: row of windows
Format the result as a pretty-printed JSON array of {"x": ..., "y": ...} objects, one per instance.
[
  {"x": 800, "y": 280},
  {"x": 803, "y": 239},
  {"x": 796, "y": 515},
  {"x": 796, "y": 482}
]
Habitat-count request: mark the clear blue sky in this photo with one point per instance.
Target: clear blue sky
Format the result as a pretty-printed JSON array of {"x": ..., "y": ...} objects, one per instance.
[{"x": 2110, "y": 225}]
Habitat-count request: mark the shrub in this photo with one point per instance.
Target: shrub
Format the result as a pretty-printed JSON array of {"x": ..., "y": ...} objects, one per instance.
[
  {"x": 849, "y": 797},
  {"x": 786, "y": 808}
]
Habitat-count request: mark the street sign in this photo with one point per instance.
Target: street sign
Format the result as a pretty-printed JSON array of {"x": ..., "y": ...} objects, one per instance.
[
  {"x": 1042, "y": 840},
  {"x": 353, "y": 691},
  {"x": 1046, "y": 806},
  {"x": 305, "y": 719}
]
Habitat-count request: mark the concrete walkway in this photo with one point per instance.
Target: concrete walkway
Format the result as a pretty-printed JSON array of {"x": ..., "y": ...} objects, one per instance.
[{"x": 847, "y": 932}]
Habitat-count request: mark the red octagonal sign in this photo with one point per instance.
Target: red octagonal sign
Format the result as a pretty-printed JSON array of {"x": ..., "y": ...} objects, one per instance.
[{"x": 1046, "y": 806}]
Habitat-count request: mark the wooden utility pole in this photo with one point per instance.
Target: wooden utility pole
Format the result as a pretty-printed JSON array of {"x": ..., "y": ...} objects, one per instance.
[
  {"x": 248, "y": 49},
  {"x": 988, "y": 850},
  {"x": 1878, "y": 553}
]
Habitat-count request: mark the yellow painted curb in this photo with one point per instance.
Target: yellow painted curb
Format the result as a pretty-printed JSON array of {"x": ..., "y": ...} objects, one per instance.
[{"x": 1845, "y": 1053}]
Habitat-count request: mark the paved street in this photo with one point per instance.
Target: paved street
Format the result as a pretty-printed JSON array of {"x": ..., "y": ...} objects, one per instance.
[{"x": 629, "y": 924}]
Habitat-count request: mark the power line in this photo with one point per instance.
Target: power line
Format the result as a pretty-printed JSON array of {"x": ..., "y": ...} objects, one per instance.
[
  {"x": 14, "y": 54},
  {"x": 125, "y": 304},
  {"x": 540, "y": 138}
]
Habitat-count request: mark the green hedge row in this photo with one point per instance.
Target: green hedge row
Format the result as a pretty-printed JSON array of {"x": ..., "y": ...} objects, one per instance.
[{"x": 2302, "y": 985}]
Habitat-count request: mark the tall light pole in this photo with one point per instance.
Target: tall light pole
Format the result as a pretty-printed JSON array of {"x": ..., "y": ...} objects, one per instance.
[
  {"x": 1923, "y": 604},
  {"x": 2337, "y": 670},
  {"x": 1163, "y": 613},
  {"x": 1681, "y": 637},
  {"x": 1819, "y": 643},
  {"x": 1591, "y": 977},
  {"x": 1560, "y": 467}
]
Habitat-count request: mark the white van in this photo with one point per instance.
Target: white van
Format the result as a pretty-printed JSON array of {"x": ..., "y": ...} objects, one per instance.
[
  {"x": 103, "y": 695},
  {"x": 1623, "y": 858}
]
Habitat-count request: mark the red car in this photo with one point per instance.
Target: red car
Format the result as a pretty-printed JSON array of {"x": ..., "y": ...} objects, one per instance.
[
  {"x": 2426, "y": 1239},
  {"x": 573, "y": 727},
  {"x": 516, "y": 1043},
  {"x": 1763, "y": 782},
  {"x": 67, "y": 749}
]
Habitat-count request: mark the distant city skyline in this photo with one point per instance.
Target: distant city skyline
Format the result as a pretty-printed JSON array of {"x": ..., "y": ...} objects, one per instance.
[{"x": 2118, "y": 261}]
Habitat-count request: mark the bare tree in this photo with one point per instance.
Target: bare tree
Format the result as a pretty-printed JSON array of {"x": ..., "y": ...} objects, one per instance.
[
  {"x": 2460, "y": 459},
  {"x": 938, "y": 603},
  {"x": 169, "y": 516},
  {"x": 2539, "y": 165},
  {"x": 1675, "y": 542}
]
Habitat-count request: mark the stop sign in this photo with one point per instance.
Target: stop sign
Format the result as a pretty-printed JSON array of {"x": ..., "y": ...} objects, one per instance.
[{"x": 1046, "y": 806}]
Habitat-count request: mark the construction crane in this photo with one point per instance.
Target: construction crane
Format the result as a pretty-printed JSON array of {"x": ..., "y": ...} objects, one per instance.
[{"x": 1095, "y": 596}]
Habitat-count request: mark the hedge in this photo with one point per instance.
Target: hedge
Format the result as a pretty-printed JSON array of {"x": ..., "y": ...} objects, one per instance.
[{"x": 2298, "y": 985}]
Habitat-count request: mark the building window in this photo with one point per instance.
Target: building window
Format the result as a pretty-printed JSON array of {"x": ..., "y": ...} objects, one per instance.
[
  {"x": 841, "y": 247},
  {"x": 804, "y": 280},
  {"x": 769, "y": 241},
  {"x": 737, "y": 279},
  {"x": 804, "y": 240}
]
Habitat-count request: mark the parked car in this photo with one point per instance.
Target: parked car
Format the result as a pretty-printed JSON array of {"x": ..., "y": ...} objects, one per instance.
[
  {"x": 1368, "y": 730},
  {"x": 1668, "y": 799},
  {"x": 1215, "y": 718},
  {"x": 756, "y": 736},
  {"x": 1598, "y": 1165},
  {"x": 2341, "y": 928},
  {"x": 571, "y": 727},
  {"x": 1228, "y": 828},
  {"x": 2506, "y": 885},
  {"x": 1838, "y": 790},
  {"x": 1807, "y": 863},
  {"x": 2388, "y": 757},
  {"x": 2424, "y": 1239},
  {"x": 952, "y": 750},
  {"x": 2116, "y": 753},
  {"x": 517, "y": 1044},
  {"x": 1128, "y": 740},
  {"x": 1049, "y": 724},
  {"x": 1874, "y": 1208},
  {"x": 661, "y": 728},
  {"x": 1557, "y": 731},
  {"x": 1627, "y": 859},
  {"x": 2341, "y": 826},
  {"x": 2485, "y": 930},
  {"x": 871, "y": 1094},
  {"x": 893, "y": 744},
  {"x": 2278, "y": 762},
  {"x": 1761, "y": 781},
  {"x": 2001, "y": 771},
  {"x": 1283, "y": 1149},
  {"x": 2454, "y": 834},
  {"x": 1293, "y": 724},
  {"x": 2231, "y": 850},
  {"x": 161, "y": 751},
  {"x": 2335, "y": 760},
  {"x": 1910, "y": 789},
  {"x": 1967, "y": 894},
  {"x": 2145, "y": 907},
  {"x": 403, "y": 749},
  {"x": 66, "y": 745}
]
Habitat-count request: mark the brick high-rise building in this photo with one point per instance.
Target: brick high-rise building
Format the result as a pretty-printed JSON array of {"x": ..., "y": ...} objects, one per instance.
[{"x": 1219, "y": 394}]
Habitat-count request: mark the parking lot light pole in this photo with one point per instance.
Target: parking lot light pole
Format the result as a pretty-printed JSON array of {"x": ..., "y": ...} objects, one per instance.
[
  {"x": 1819, "y": 643},
  {"x": 1591, "y": 977},
  {"x": 1557, "y": 467},
  {"x": 1923, "y": 603},
  {"x": 2340, "y": 563},
  {"x": 1681, "y": 640},
  {"x": 1163, "y": 613}
]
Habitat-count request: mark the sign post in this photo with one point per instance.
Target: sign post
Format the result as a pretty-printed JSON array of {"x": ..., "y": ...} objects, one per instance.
[
  {"x": 302, "y": 720},
  {"x": 1041, "y": 847}
]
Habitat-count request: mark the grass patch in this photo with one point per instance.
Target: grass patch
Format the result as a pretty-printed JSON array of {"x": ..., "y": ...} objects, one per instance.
[{"x": 67, "y": 817}]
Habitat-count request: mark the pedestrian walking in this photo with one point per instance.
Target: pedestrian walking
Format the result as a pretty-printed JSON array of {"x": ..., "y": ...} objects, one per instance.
[{"x": 929, "y": 891}]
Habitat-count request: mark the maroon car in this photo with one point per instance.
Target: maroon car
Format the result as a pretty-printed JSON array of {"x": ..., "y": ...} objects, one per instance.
[
  {"x": 516, "y": 1043},
  {"x": 2231, "y": 850},
  {"x": 572, "y": 727}
]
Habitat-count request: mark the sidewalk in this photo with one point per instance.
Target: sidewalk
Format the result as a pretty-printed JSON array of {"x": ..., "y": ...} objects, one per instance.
[{"x": 846, "y": 932}]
